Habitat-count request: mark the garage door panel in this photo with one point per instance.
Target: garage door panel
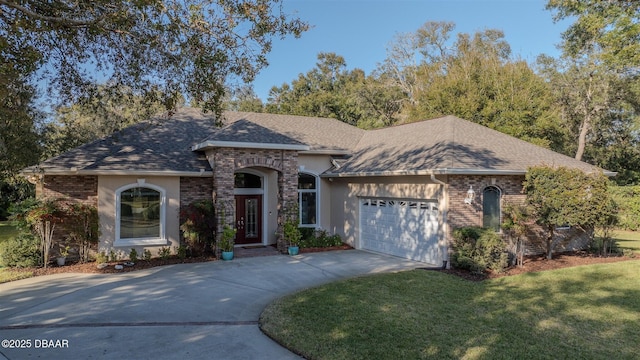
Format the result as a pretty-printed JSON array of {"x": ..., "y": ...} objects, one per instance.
[{"x": 407, "y": 229}]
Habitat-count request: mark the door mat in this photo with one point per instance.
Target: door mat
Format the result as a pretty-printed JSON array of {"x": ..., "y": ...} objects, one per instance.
[{"x": 254, "y": 247}]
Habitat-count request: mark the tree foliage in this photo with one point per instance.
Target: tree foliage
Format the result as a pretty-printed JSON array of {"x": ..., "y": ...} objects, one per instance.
[
  {"x": 472, "y": 77},
  {"x": 167, "y": 47},
  {"x": 321, "y": 92},
  {"x": 567, "y": 197},
  {"x": 102, "y": 112},
  {"x": 19, "y": 146},
  {"x": 610, "y": 29}
]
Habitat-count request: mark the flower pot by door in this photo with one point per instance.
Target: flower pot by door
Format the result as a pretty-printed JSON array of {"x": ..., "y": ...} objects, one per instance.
[
  {"x": 227, "y": 255},
  {"x": 293, "y": 250},
  {"x": 61, "y": 261}
]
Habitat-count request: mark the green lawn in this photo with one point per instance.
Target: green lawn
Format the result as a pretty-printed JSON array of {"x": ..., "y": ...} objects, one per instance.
[
  {"x": 588, "y": 312},
  {"x": 628, "y": 239},
  {"x": 7, "y": 230}
]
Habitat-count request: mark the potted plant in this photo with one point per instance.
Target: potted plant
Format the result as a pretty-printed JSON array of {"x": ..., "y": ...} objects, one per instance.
[
  {"x": 64, "y": 252},
  {"x": 226, "y": 242},
  {"x": 292, "y": 235}
]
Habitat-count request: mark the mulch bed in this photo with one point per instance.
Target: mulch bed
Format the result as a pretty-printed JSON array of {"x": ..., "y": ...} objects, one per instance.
[
  {"x": 91, "y": 267},
  {"x": 531, "y": 264},
  {"x": 536, "y": 263}
]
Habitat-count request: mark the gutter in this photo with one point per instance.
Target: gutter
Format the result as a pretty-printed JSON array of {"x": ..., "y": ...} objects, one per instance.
[{"x": 74, "y": 171}]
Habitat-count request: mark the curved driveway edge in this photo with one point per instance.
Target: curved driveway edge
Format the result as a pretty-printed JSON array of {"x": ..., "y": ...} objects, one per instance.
[{"x": 195, "y": 311}]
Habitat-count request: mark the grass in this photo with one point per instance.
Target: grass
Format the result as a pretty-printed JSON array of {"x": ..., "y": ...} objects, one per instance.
[
  {"x": 628, "y": 239},
  {"x": 7, "y": 230},
  {"x": 588, "y": 312}
]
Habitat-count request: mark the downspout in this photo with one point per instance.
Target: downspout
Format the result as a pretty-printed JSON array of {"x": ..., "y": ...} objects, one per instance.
[{"x": 445, "y": 227}]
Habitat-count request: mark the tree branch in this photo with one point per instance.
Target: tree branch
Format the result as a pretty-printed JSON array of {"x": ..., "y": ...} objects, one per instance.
[{"x": 51, "y": 19}]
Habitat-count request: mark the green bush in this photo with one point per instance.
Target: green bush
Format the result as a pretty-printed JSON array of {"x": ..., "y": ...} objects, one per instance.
[
  {"x": 628, "y": 200},
  {"x": 319, "y": 238},
  {"x": 21, "y": 251},
  {"x": 477, "y": 249}
]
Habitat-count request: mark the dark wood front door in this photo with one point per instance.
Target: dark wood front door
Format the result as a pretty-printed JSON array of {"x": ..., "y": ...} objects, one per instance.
[{"x": 248, "y": 219}]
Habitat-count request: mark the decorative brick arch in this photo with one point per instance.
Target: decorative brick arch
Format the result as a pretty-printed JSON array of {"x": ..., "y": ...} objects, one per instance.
[
  {"x": 225, "y": 162},
  {"x": 258, "y": 161}
]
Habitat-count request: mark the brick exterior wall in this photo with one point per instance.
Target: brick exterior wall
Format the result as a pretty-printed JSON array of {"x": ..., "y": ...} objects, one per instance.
[
  {"x": 79, "y": 188},
  {"x": 461, "y": 214},
  {"x": 194, "y": 189},
  {"x": 75, "y": 188},
  {"x": 226, "y": 161}
]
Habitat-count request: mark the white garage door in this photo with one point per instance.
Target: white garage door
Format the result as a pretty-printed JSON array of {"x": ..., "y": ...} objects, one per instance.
[{"x": 403, "y": 228}]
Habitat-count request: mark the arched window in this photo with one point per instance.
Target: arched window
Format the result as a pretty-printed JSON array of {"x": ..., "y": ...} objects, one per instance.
[
  {"x": 491, "y": 208},
  {"x": 308, "y": 199},
  {"x": 140, "y": 215}
]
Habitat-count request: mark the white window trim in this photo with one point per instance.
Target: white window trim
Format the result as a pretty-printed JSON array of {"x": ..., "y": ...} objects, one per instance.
[
  {"x": 317, "y": 192},
  {"x": 147, "y": 241}
]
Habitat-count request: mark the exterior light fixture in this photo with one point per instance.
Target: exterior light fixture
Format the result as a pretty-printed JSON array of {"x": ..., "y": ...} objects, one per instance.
[{"x": 470, "y": 196}]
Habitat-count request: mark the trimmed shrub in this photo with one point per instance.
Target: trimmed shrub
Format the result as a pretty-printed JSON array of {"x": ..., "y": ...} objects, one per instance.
[
  {"x": 21, "y": 251},
  {"x": 318, "y": 238},
  {"x": 628, "y": 200},
  {"x": 477, "y": 250}
]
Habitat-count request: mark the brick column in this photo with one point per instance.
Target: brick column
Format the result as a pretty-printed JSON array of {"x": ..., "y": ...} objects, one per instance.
[{"x": 287, "y": 191}]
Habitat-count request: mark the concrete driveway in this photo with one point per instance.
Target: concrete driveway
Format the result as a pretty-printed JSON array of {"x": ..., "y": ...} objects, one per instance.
[{"x": 188, "y": 311}]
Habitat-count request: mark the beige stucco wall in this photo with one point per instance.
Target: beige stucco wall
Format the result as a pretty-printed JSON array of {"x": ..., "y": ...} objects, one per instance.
[
  {"x": 346, "y": 193},
  {"x": 107, "y": 186}
]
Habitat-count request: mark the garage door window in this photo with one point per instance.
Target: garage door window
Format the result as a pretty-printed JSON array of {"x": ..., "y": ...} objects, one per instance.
[
  {"x": 491, "y": 208},
  {"x": 308, "y": 199}
]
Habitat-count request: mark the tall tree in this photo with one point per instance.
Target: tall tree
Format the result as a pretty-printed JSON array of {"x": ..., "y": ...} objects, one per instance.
[
  {"x": 19, "y": 145},
  {"x": 168, "y": 47},
  {"x": 319, "y": 92},
  {"x": 475, "y": 78},
  {"x": 610, "y": 29},
  {"x": 244, "y": 99},
  {"x": 331, "y": 90},
  {"x": 106, "y": 110}
]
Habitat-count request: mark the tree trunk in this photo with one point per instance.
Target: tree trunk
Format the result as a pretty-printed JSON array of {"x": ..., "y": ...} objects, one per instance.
[
  {"x": 550, "y": 243},
  {"x": 587, "y": 120}
]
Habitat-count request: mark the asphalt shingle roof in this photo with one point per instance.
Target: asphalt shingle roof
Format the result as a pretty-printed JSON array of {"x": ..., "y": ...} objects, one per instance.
[
  {"x": 447, "y": 145},
  {"x": 163, "y": 144},
  {"x": 443, "y": 145}
]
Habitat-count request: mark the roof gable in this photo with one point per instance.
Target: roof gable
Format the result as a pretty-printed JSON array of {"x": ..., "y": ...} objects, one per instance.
[
  {"x": 447, "y": 145},
  {"x": 245, "y": 134}
]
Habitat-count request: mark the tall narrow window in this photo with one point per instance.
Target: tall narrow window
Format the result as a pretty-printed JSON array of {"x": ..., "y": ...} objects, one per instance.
[
  {"x": 491, "y": 208},
  {"x": 139, "y": 215},
  {"x": 307, "y": 199}
]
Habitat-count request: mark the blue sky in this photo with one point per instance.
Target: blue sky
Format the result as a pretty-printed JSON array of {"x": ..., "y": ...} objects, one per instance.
[{"x": 360, "y": 30}]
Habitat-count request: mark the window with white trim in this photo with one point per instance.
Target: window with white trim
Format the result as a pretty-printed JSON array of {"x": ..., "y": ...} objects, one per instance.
[
  {"x": 308, "y": 199},
  {"x": 140, "y": 215}
]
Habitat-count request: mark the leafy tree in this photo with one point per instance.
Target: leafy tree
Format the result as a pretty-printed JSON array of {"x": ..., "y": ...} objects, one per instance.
[
  {"x": 107, "y": 109},
  {"x": 319, "y": 92},
  {"x": 567, "y": 197},
  {"x": 611, "y": 29},
  {"x": 330, "y": 90},
  {"x": 168, "y": 47},
  {"x": 244, "y": 99},
  {"x": 19, "y": 146},
  {"x": 474, "y": 78}
]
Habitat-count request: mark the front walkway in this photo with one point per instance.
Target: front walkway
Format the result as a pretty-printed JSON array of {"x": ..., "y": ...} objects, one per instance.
[{"x": 187, "y": 311}]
